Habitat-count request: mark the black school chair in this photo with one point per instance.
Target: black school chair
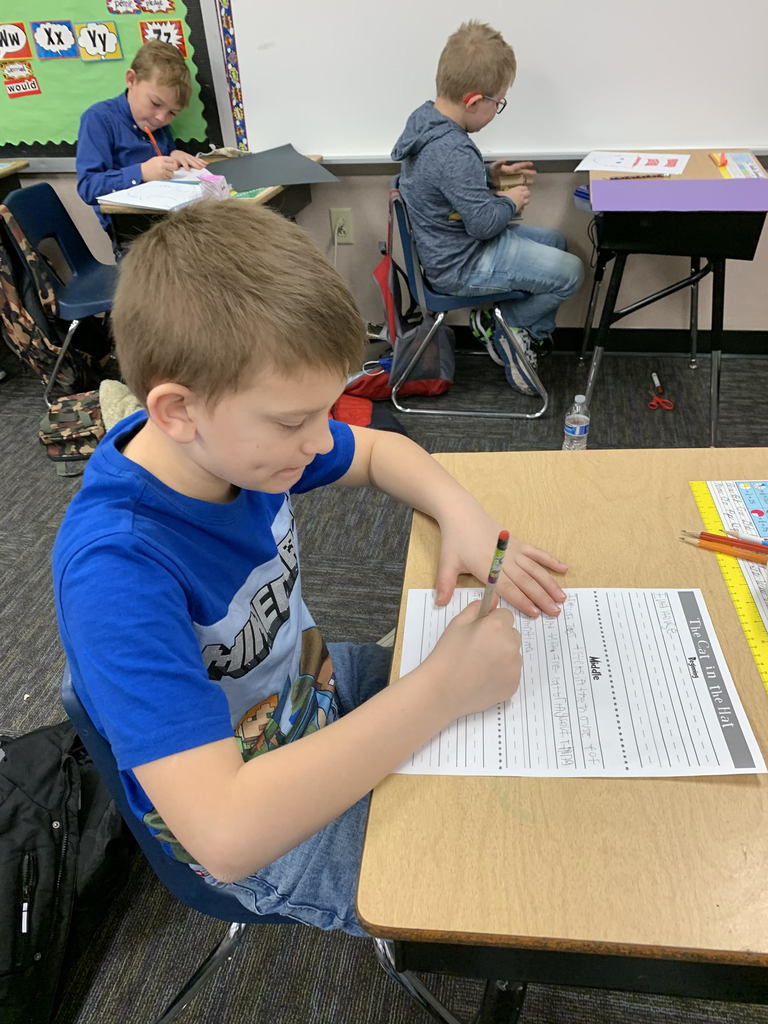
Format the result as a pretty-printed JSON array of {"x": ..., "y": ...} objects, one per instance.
[
  {"x": 193, "y": 891},
  {"x": 436, "y": 304},
  {"x": 89, "y": 291}
]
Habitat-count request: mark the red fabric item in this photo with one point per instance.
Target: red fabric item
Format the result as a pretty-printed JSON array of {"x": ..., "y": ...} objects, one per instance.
[
  {"x": 382, "y": 274},
  {"x": 354, "y": 410},
  {"x": 377, "y": 387}
]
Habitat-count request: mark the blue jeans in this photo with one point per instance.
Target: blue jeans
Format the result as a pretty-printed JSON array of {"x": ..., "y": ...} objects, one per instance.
[
  {"x": 316, "y": 881},
  {"x": 527, "y": 259}
]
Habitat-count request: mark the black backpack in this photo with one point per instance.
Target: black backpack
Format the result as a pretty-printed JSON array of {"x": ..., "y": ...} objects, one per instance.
[
  {"x": 64, "y": 853},
  {"x": 32, "y": 330}
]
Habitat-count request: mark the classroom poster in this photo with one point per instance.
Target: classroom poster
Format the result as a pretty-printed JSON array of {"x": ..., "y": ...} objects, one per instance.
[{"x": 57, "y": 58}]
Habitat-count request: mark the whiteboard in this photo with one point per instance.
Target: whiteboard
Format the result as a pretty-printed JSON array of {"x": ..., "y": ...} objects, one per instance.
[{"x": 340, "y": 78}]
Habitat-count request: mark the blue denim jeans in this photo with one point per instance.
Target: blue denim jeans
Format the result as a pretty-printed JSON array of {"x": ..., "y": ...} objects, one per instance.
[
  {"x": 316, "y": 881},
  {"x": 527, "y": 259}
]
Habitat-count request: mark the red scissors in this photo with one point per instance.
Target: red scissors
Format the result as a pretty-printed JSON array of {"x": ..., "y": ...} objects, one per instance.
[{"x": 659, "y": 402}]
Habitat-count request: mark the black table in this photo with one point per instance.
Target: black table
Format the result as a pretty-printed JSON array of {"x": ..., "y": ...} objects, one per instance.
[{"x": 711, "y": 236}]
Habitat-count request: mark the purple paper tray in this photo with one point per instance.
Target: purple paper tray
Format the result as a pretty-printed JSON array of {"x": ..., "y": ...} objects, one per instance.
[{"x": 655, "y": 195}]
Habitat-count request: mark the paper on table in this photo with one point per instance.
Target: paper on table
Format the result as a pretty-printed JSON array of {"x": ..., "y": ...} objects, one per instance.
[
  {"x": 190, "y": 173},
  {"x": 743, "y": 505},
  {"x": 155, "y": 195},
  {"x": 742, "y": 165},
  {"x": 624, "y": 683},
  {"x": 634, "y": 163}
]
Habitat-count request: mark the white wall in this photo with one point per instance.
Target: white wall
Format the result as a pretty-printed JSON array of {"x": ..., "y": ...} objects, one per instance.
[{"x": 341, "y": 78}]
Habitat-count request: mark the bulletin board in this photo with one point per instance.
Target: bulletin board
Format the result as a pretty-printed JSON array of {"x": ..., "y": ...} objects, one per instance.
[{"x": 57, "y": 57}]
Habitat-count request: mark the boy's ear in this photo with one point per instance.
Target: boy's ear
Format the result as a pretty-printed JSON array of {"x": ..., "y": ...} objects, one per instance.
[
  {"x": 471, "y": 100},
  {"x": 130, "y": 78},
  {"x": 171, "y": 407}
]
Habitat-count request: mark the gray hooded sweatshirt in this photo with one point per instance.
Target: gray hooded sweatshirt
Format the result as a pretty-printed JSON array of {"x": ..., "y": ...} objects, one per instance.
[{"x": 443, "y": 173}]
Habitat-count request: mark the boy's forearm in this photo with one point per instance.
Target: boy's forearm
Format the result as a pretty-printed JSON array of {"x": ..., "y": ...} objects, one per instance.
[
  {"x": 274, "y": 802},
  {"x": 399, "y": 467}
]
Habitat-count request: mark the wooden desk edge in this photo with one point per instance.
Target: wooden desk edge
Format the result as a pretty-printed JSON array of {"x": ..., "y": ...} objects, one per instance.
[{"x": 745, "y": 958}]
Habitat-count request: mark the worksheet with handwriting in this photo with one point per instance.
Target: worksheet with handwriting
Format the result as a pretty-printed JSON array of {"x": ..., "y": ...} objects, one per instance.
[{"x": 623, "y": 683}]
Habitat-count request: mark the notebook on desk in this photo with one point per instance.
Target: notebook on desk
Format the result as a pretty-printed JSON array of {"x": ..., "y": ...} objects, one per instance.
[{"x": 155, "y": 195}]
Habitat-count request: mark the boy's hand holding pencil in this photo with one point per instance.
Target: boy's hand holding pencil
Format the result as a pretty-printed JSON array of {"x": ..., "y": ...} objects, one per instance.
[{"x": 469, "y": 539}]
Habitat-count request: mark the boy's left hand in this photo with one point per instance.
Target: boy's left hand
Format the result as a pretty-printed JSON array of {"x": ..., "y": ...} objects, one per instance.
[
  {"x": 186, "y": 161},
  {"x": 500, "y": 168},
  {"x": 468, "y": 544}
]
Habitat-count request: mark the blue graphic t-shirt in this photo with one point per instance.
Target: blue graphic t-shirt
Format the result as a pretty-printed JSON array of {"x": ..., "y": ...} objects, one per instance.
[{"x": 182, "y": 620}]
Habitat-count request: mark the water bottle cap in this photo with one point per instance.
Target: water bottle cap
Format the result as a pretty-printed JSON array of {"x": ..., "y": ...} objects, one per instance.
[{"x": 580, "y": 398}]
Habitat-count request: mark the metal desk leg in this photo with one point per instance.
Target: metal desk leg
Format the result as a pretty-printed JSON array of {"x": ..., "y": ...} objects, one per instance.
[
  {"x": 718, "y": 305},
  {"x": 695, "y": 267},
  {"x": 606, "y": 318},
  {"x": 597, "y": 280}
]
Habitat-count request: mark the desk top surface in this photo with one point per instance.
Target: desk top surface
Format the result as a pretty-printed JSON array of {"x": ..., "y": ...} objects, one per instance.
[
  {"x": 646, "y": 866},
  {"x": 267, "y": 194},
  {"x": 8, "y": 167},
  {"x": 117, "y": 208},
  {"x": 701, "y": 187}
]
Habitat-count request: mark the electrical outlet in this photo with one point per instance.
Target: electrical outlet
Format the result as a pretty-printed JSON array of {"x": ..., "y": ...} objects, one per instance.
[{"x": 341, "y": 220}]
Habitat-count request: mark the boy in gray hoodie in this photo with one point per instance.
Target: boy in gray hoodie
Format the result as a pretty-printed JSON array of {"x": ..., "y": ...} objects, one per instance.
[{"x": 468, "y": 230}]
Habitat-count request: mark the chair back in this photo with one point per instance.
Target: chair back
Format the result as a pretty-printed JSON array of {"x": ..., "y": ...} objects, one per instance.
[
  {"x": 41, "y": 215},
  {"x": 399, "y": 217},
  {"x": 178, "y": 878}
]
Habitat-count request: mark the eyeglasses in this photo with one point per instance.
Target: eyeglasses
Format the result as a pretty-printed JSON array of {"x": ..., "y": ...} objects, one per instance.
[{"x": 500, "y": 104}]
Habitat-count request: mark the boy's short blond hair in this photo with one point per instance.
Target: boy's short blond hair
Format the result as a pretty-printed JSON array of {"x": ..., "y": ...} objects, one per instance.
[
  {"x": 475, "y": 59},
  {"x": 164, "y": 63},
  {"x": 222, "y": 288}
]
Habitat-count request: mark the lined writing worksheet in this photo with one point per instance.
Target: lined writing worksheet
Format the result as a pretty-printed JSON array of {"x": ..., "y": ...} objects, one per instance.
[{"x": 624, "y": 682}]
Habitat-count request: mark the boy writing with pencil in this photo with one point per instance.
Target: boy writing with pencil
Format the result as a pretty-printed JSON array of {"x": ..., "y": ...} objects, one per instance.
[
  {"x": 126, "y": 140},
  {"x": 245, "y": 743},
  {"x": 462, "y": 217}
]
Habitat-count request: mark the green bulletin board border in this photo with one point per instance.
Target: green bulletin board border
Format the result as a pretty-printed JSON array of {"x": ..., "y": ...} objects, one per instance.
[{"x": 201, "y": 68}]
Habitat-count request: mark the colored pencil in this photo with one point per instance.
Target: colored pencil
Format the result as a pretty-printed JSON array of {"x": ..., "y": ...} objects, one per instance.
[
  {"x": 746, "y": 536},
  {"x": 728, "y": 549},
  {"x": 736, "y": 542},
  {"x": 152, "y": 140},
  {"x": 493, "y": 575}
]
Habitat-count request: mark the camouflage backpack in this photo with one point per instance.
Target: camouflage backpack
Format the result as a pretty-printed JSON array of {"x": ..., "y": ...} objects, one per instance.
[
  {"x": 30, "y": 324},
  {"x": 71, "y": 430}
]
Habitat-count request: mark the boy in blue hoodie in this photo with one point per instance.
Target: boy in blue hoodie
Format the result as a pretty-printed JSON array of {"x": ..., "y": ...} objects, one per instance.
[{"x": 466, "y": 228}]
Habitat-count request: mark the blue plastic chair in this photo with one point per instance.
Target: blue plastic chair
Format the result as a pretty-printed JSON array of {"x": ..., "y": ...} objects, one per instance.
[
  {"x": 89, "y": 291},
  {"x": 436, "y": 304},
  {"x": 177, "y": 878}
]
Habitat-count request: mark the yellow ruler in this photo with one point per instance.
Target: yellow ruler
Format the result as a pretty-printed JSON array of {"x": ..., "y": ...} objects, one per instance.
[{"x": 746, "y": 609}]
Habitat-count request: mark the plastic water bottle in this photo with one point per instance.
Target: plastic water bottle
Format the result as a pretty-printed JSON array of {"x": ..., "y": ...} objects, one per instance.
[{"x": 576, "y": 426}]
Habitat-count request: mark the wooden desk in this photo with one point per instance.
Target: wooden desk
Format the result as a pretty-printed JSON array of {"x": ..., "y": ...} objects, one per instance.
[
  {"x": 674, "y": 229},
  {"x": 269, "y": 197},
  {"x": 9, "y": 176},
  {"x": 657, "y": 885},
  {"x": 128, "y": 222}
]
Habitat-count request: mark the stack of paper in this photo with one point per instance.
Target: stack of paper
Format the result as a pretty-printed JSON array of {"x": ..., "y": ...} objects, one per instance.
[{"x": 155, "y": 195}]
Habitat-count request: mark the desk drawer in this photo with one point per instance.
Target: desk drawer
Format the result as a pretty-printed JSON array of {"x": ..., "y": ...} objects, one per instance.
[{"x": 732, "y": 235}]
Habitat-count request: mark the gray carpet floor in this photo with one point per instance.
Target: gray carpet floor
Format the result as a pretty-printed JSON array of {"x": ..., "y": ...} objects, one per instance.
[{"x": 148, "y": 944}]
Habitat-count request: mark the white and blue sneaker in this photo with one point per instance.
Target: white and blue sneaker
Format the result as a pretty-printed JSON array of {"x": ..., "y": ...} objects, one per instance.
[
  {"x": 502, "y": 352},
  {"x": 482, "y": 323},
  {"x": 516, "y": 376}
]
